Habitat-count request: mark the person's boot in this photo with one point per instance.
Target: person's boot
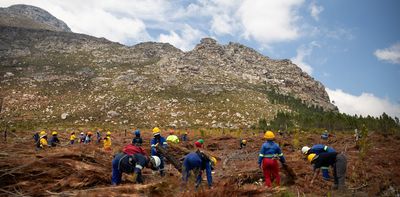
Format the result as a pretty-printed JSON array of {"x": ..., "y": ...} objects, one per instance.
[{"x": 162, "y": 173}]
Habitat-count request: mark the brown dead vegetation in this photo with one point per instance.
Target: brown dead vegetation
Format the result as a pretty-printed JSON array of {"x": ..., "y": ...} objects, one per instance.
[{"x": 80, "y": 170}]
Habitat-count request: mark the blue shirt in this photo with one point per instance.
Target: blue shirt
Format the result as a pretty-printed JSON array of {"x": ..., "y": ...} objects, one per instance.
[
  {"x": 161, "y": 141},
  {"x": 270, "y": 149},
  {"x": 320, "y": 148},
  {"x": 194, "y": 161}
]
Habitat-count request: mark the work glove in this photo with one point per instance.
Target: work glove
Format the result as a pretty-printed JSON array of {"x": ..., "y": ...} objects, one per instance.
[{"x": 132, "y": 178}]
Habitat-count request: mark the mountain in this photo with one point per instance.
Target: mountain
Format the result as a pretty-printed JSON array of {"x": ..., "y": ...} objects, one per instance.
[
  {"x": 31, "y": 17},
  {"x": 60, "y": 77}
]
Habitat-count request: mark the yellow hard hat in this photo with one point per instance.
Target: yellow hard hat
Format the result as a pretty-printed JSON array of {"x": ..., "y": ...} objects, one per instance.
[
  {"x": 269, "y": 135},
  {"x": 156, "y": 130},
  {"x": 311, "y": 157},
  {"x": 108, "y": 132},
  {"x": 54, "y": 133},
  {"x": 43, "y": 133},
  {"x": 244, "y": 141},
  {"x": 213, "y": 161}
]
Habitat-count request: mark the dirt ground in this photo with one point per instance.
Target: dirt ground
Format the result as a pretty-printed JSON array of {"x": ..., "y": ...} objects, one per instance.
[{"x": 82, "y": 170}]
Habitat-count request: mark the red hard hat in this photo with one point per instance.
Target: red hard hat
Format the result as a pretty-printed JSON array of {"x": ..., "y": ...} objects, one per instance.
[{"x": 198, "y": 144}]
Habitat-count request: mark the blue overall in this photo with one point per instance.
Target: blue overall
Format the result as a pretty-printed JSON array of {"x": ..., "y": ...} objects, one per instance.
[
  {"x": 270, "y": 149},
  {"x": 196, "y": 162},
  {"x": 318, "y": 149},
  {"x": 138, "y": 141},
  {"x": 162, "y": 142},
  {"x": 123, "y": 163}
]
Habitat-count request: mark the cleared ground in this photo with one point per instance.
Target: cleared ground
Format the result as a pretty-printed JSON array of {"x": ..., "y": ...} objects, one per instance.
[{"x": 86, "y": 169}]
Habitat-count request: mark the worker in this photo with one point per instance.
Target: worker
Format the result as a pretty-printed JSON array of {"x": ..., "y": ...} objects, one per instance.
[
  {"x": 325, "y": 135},
  {"x": 36, "y": 137},
  {"x": 199, "y": 144},
  {"x": 267, "y": 160},
  {"x": 124, "y": 163},
  {"x": 318, "y": 149},
  {"x": 88, "y": 137},
  {"x": 158, "y": 140},
  {"x": 107, "y": 141},
  {"x": 198, "y": 162},
  {"x": 82, "y": 137},
  {"x": 42, "y": 143},
  {"x": 185, "y": 136},
  {"x": 72, "y": 138},
  {"x": 172, "y": 137},
  {"x": 98, "y": 135},
  {"x": 137, "y": 140},
  {"x": 243, "y": 143},
  {"x": 54, "y": 139},
  {"x": 336, "y": 160},
  {"x": 357, "y": 135}
]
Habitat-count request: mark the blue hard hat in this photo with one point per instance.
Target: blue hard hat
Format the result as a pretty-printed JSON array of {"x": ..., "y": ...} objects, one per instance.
[{"x": 137, "y": 132}]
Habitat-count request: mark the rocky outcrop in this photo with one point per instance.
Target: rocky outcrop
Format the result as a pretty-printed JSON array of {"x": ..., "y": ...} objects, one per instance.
[{"x": 27, "y": 16}]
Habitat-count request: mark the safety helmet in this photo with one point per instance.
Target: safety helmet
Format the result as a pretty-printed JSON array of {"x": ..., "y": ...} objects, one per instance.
[
  {"x": 155, "y": 162},
  {"x": 305, "y": 149},
  {"x": 82, "y": 133},
  {"x": 54, "y": 133},
  {"x": 89, "y": 133},
  {"x": 213, "y": 161},
  {"x": 244, "y": 141},
  {"x": 311, "y": 157},
  {"x": 201, "y": 141},
  {"x": 108, "y": 132},
  {"x": 269, "y": 135},
  {"x": 156, "y": 131},
  {"x": 137, "y": 132},
  {"x": 198, "y": 144},
  {"x": 43, "y": 133}
]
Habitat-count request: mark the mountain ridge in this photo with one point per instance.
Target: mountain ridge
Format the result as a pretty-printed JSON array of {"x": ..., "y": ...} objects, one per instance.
[{"x": 51, "y": 76}]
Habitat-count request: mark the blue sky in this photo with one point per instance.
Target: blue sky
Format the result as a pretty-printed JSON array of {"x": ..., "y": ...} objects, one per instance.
[{"x": 352, "y": 47}]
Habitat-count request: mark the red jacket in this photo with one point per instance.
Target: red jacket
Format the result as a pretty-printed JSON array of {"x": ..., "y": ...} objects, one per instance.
[{"x": 131, "y": 149}]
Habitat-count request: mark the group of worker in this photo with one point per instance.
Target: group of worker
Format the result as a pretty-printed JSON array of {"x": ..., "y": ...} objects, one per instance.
[
  {"x": 320, "y": 156},
  {"x": 42, "y": 142},
  {"x": 133, "y": 159}
]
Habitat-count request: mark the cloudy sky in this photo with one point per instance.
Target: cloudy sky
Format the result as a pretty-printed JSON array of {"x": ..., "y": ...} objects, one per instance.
[{"x": 352, "y": 47}]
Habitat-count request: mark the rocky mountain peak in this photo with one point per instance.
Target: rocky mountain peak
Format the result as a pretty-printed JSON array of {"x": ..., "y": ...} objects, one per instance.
[
  {"x": 32, "y": 17},
  {"x": 45, "y": 75}
]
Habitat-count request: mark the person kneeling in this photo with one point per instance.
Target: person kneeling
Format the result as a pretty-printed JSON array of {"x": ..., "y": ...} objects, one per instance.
[{"x": 124, "y": 163}]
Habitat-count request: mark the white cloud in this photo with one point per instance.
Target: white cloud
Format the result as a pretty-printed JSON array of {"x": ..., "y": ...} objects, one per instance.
[
  {"x": 391, "y": 54},
  {"x": 185, "y": 41},
  {"x": 315, "y": 10},
  {"x": 365, "y": 104},
  {"x": 270, "y": 21},
  {"x": 338, "y": 33},
  {"x": 132, "y": 21},
  {"x": 100, "y": 18},
  {"x": 302, "y": 53}
]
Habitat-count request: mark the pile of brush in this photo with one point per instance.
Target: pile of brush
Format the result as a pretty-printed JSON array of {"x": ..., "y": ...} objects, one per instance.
[{"x": 60, "y": 169}]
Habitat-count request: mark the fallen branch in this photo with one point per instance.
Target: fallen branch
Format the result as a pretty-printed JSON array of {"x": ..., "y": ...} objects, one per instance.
[
  {"x": 360, "y": 187},
  {"x": 10, "y": 193}
]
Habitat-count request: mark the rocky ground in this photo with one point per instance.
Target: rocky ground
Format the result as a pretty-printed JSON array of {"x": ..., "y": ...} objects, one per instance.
[{"x": 86, "y": 169}]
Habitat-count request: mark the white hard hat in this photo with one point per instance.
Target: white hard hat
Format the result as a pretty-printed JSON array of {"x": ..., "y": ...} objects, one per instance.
[
  {"x": 155, "y": 160},
  {"x": 305, "y": 149}
]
